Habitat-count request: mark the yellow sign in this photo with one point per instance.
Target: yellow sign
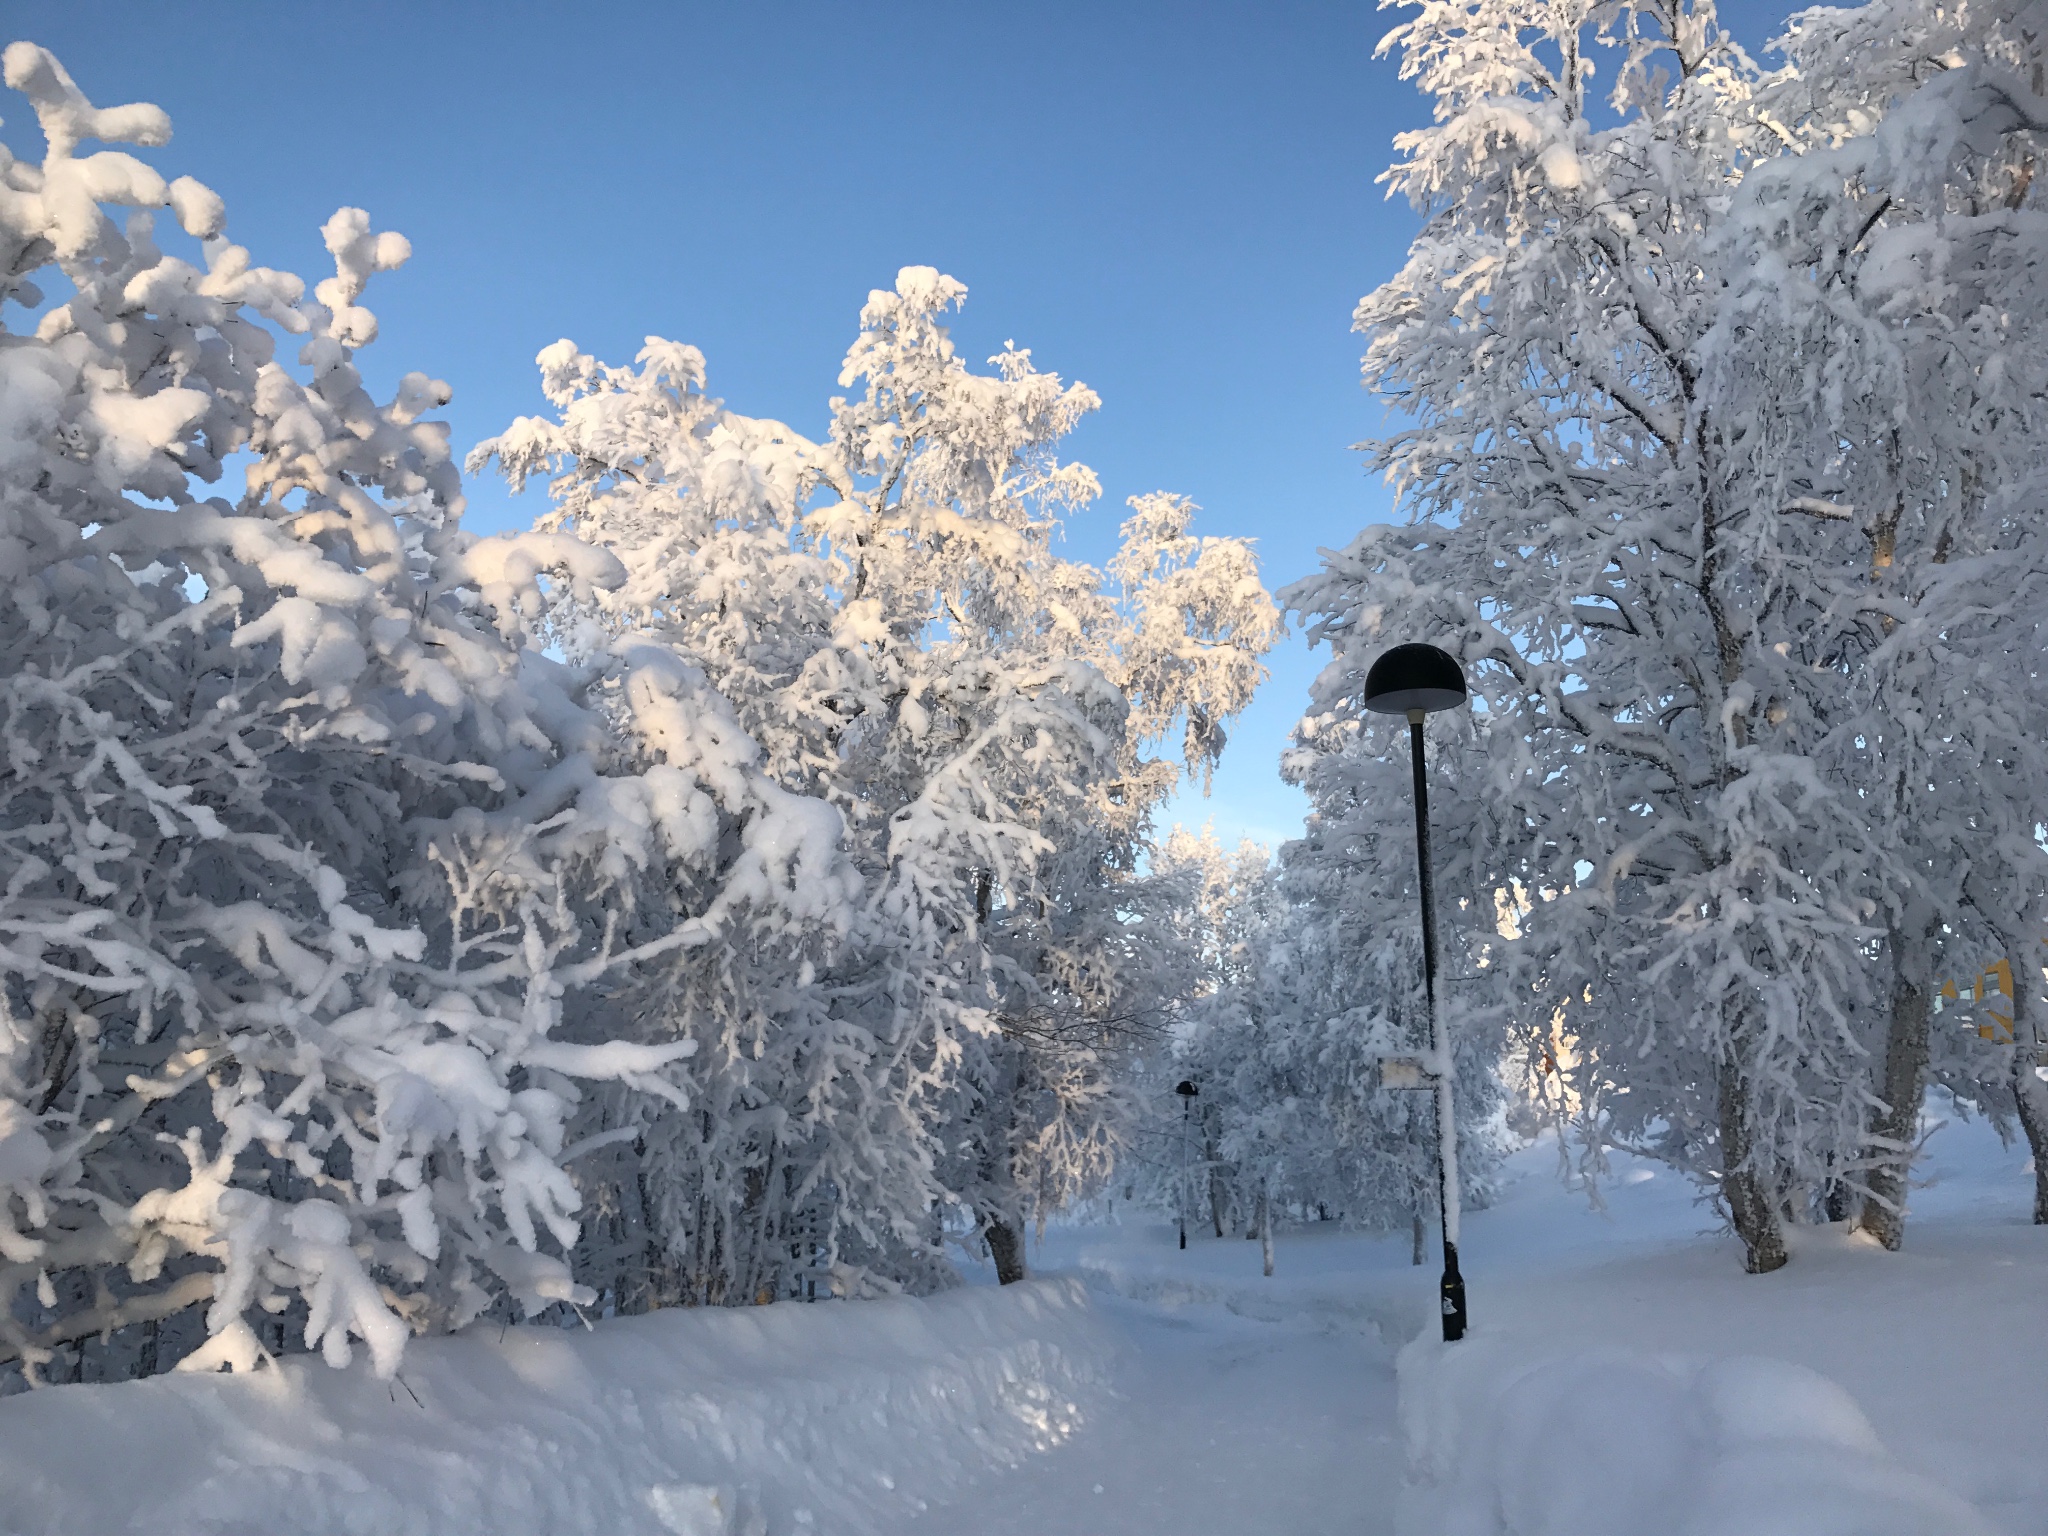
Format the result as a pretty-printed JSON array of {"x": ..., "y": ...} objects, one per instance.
[{"x": 1999, "y": 977}]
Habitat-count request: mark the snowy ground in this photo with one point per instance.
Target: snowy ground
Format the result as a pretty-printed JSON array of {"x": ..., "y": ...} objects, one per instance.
[
  {"x": 1219, "y": 1424},
  {"x": 1943, "y": 1347},
  {"x": 840, "y": 1419},
  {"x": 1176, "y": 1393}
]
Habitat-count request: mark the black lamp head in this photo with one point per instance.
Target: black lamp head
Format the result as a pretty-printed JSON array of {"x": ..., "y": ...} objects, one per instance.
[
  {"x": 1412, "y": 677},
  {"x": 1186, "y": 1090}
]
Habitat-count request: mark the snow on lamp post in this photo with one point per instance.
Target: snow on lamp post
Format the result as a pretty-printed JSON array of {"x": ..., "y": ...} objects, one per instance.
[
  {"x": 1416, "y": 680},
  {"x": 1187, "y": 1092}
]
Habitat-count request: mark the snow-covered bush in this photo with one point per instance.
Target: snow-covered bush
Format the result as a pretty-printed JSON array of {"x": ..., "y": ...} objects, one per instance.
[{"x": 305, "y": 850}]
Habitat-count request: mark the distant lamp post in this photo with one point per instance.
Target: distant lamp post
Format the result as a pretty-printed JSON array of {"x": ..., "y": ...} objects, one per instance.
[
  {"x": 1187, "y": 1092},
  {"x": 1417, "y": 680}
]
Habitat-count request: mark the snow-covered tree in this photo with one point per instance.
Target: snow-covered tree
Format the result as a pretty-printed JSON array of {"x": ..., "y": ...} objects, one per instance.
[
  {"x": 1895, "y": 272},
  {"x": 1710, "y": 416},
  {"x": 1313, "y": 976},
  {"x": 1620, "y": 565},
  {"x": 889, "y": 615},
  {"x": 1607, "y": 557},
  {"x": 306, "y": 851}
]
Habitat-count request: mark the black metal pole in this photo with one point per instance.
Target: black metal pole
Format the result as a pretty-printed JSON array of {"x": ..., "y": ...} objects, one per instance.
[
  {"x": 1185, "y": 1103},
  {"x": 1451, "y": 1289}
]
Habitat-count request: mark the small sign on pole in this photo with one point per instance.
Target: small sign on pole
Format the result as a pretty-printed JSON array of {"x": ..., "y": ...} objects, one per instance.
[{"x": 1404, "y": 1072}]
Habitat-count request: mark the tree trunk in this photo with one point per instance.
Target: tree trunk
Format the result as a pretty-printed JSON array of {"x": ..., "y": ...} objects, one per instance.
[
  {"x": 1417, "y": 1251},
  {"x": 1006, "y": 1247},
  {"x": 1905, "y": 1081},
  {"x": 1839, "y": 1202},
  {"x": 1750, "y": 1206},
  {"x": 1000, "y": 1204},
  {"x": 1266, "y": 1228},
  {"x": 2030, "y": 1094}
]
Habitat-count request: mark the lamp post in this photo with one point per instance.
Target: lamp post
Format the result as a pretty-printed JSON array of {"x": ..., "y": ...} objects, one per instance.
[
  {"x": 1416, "y": 680},
  {"x": 1187, "y": 1092}
]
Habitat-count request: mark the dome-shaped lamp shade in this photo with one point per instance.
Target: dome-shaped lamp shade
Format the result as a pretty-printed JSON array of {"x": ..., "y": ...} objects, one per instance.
[{"x": 1414, "y": 677}]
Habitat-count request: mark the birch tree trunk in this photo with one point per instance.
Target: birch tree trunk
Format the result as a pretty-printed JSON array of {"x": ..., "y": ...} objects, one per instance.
[
  {"x": 1838, "y": 1200},
  {"x": 1266, "y": 1228},
  {"x": 1895, "y": 1128},
  {"x": 1006, "y": 1247},
  {"x": 1752, "y": 1206},
  {"x": 2030, "y": 1094},
  {"x": 1002, "y": 1227}
]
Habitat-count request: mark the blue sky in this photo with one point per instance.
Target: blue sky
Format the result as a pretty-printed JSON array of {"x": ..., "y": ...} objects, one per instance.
[{"x": 1174, "y": 203}]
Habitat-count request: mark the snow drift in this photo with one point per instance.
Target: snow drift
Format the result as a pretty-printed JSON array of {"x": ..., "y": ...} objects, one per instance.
[
  {"x": 840, "y": 1417},
  {"x": 1504, "y": 1443}
]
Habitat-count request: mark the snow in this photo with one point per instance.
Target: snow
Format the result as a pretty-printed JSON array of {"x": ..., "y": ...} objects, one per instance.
[
  {"x": 776, "y": 818},
  {"x": 843, "y": 1417},
  {"x": 1623, "y": 1375},
  {"x": 1853, "y": 1391},
  {"x": 1739, "y": 1446},
  {"x": 1219, "y": 1424}
]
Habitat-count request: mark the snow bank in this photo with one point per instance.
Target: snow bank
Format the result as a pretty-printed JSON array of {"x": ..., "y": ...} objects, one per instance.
[
  {"x": 1503, "y": 1443},
  {"x": 843, "y": 1417}
]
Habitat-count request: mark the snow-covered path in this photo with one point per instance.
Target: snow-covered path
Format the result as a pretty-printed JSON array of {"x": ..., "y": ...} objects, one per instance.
[
  {"x": 1218, "y": 1425},
  {"x": 1244, "y": 1404}
]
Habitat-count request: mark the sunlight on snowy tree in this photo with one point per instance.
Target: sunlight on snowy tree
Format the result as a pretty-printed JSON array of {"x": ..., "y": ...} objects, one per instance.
[
  {"x": 887, "y": 613},
  {"x": 305, "y": 846},
  {"x": 1670, "y": 371},
  {"x": 1894, "y": 266}
]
